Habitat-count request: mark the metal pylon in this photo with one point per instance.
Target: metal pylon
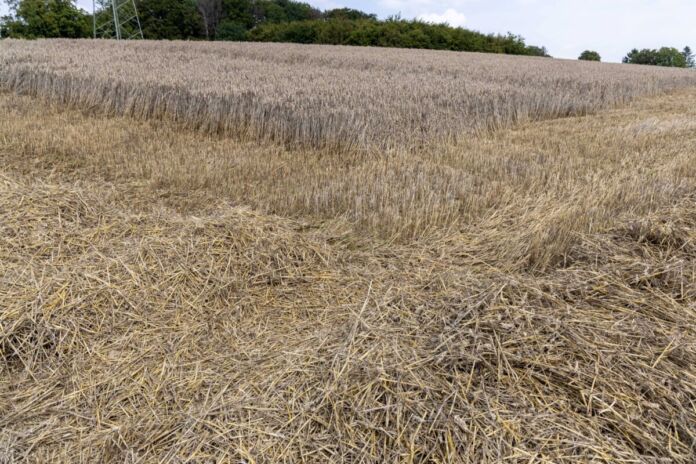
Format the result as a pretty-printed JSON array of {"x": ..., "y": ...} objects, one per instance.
[{"x": 116, "y": 19}]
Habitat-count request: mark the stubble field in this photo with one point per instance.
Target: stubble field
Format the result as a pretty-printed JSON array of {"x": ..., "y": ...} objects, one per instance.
[{"x": 275, "y": 253}]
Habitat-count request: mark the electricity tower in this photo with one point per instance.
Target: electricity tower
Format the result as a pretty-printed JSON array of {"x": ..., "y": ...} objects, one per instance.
[{"x": 116, "y": 19}]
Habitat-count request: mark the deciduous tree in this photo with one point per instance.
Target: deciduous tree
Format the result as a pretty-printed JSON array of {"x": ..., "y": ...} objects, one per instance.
[
  {"x": 170, "y": 19},
  {"x": 211, "y": 11},
  {"x": 590, "y": 55},
  {"x": 665, "y": 56},
  {"x": 689, "y": 57},
  {"x": 47, "y": 18}
]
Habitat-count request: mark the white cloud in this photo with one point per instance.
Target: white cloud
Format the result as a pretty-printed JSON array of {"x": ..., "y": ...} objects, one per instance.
[
  {"x": 431, "y": 11},
  {"x": 450, "y": 16}
]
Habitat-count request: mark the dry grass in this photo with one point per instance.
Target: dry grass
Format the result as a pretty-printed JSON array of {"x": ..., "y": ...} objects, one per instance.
[
  {"x": 528, "y": 295},
  {"x": 321, "y": 95},
  {"x": 562, "y": 177}
]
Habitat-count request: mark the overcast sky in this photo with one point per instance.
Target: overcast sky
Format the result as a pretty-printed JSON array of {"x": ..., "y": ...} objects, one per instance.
[{"x": 566, "y": 27}]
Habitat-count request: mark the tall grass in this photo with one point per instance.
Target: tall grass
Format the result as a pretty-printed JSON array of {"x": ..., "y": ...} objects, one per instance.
[{"x": 322, "y": 95}]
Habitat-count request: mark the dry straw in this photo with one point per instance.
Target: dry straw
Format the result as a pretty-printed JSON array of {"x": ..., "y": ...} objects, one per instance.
[{"x": 167, "y": 296}]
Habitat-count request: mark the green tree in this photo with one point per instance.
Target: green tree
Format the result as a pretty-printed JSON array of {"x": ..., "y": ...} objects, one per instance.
[
  {"x": 170, "y": 19},
  {"x": 231, "y": 30},
  {"x": 689, "y": 57},
  {"x": 538, "y": 51},
  {"x": 4, "y": 32},
  {"x": 239, "y": 11},
  {"x": 393, "y": 32},
  {"x": 47, "y": 18},
  {"x": 589, "y": 55},
  {"x": 282, "y": 11},
  {"x": 211, "y": 14},
  {"x": 348, "y": 13},
  {"x": 297, "y": 11},
  {"x": 665, "y": 56}
]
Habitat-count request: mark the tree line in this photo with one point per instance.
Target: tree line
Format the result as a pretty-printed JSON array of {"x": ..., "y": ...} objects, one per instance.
[
  {"x": 665, "y": 56},
  {"x": 286, "y": 21},
  {"x": 258, "y": 20}
]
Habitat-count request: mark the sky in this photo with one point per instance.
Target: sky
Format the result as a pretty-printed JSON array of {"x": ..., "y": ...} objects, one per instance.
[{"x": 565, "y": 27}]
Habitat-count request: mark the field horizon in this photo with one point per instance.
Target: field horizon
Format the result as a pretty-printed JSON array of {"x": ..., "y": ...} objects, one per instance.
[{"x": 174, "y": 292}]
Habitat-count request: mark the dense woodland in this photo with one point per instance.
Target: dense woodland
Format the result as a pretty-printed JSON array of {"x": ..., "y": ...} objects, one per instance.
[{"x": 259, "y": 20}]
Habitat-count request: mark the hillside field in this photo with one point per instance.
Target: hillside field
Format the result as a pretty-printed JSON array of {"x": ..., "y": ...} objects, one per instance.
[{"x": 266, "y": 253}]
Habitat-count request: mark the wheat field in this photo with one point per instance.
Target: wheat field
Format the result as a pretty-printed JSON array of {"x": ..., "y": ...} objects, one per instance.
[
  {"x": 177, "y": 285},
  {"x": 319, "y": 95}
]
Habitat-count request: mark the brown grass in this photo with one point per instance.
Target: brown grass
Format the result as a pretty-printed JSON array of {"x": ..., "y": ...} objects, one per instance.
[
  {"x": 528, "y": 295},
  {"x": 323, "y": 95}
]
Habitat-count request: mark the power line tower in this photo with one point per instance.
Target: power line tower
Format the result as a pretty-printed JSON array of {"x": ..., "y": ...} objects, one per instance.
[{"x": 116, "y": 19}]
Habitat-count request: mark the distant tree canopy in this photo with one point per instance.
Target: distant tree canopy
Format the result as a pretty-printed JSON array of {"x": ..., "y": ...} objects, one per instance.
[
  {"x": 589, "y": 55},
  {"x": 46, "y": 18},
  {"x": 392, "y": 33},
  {"x": 260, "y": 20},
  {"x": 348, "y": 13},
  {"x": 231, "y": 30},
  {"x": 170, "y": 19},
  {"x": 665, "y": 56},
  {"x": 4, "y": 31},
  {"x": 689, "y": 57}
]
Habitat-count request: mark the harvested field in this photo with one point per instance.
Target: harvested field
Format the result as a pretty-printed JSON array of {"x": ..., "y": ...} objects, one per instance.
[
  {"x": 170, "y": 295},
  {"x": 319, "y": 95}
]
